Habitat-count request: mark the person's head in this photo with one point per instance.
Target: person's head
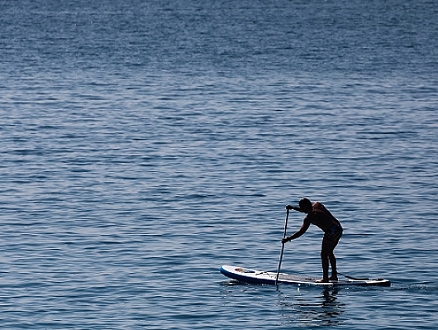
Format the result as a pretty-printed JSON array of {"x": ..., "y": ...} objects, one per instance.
[{"x": 305, "y": 205}]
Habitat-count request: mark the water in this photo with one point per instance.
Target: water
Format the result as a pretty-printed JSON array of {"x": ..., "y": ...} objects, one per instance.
[{"x": 146, "y": 143}]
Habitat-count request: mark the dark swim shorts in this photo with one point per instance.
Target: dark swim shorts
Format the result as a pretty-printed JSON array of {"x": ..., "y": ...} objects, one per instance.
[{"x": 333, "y": 234}]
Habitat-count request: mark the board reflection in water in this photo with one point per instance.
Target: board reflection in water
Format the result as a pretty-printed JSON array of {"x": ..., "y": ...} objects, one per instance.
[{"x": 312, "y": 307}]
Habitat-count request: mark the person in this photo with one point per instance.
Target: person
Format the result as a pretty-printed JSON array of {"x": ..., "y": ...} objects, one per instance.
[{"x": 318, "y": 215}]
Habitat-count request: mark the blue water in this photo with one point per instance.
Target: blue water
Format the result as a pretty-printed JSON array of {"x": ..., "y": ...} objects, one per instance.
[{"x": 146, "y": 143}]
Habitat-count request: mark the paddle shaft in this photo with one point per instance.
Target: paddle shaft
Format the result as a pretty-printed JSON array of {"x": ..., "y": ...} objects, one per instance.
[{"x": 282, "y": 246}]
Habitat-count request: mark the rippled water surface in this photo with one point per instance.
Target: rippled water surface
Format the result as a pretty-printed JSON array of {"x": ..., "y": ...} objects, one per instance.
[{"x": 146, "y": 143}]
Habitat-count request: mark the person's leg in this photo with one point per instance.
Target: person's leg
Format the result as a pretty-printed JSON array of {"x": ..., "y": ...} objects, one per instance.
[
  {"x": 325, "y": 266},
  {"x": 327, "y": 255},
  {"x": 324, "y": 261},
  {"x": 332, "y": 259}
]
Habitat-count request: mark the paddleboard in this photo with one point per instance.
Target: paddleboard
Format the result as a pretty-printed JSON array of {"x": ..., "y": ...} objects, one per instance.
[{"x": 262, "y": 277}]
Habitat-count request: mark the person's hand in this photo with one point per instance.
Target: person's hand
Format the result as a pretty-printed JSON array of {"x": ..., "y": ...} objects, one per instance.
[
  {"x": 285, "y": 240},
  {"x": 289, "y": 207}
]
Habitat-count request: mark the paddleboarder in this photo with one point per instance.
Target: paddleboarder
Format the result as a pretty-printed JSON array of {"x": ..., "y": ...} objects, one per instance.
[{"x": 318, "y": 215}]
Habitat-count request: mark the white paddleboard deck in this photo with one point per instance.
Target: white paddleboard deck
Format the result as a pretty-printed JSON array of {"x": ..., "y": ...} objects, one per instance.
[{"x": 262, "y": 277}]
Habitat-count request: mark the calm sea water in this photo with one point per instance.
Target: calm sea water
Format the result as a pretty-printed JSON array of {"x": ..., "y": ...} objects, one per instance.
[{"x": 146, "y": 143}]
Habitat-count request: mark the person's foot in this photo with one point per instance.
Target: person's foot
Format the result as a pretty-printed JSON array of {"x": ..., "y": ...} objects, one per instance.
[
  {"x": 322, "y": 280},
  {"x": 333, "y": 278}
]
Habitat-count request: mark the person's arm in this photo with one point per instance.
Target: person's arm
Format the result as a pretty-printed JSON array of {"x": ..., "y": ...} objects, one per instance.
[
  {"x": 298, "y": 233},
  {"x": 295, "y": 208}
]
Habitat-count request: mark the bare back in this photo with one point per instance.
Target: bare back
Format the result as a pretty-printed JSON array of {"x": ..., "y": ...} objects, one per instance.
[{"x": 321, "y": 217}]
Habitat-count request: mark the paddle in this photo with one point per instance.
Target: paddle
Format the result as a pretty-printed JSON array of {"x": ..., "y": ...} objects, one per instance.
[{"x": 282, "y": 246}]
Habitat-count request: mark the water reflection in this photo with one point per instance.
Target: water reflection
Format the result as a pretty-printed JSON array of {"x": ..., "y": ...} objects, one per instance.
[{"x": 312, "y": 307}]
